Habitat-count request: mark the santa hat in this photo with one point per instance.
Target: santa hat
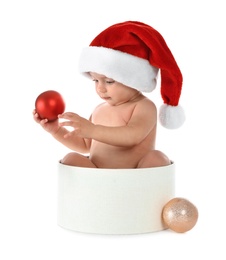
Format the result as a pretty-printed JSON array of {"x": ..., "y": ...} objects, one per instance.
[{"x": 132, "y": 53}]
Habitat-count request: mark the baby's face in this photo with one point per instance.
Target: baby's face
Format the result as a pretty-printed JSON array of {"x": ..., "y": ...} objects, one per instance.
[{"x": 111, "y": 91}]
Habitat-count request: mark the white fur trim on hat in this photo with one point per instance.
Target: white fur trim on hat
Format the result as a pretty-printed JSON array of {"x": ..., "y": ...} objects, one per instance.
[
  {"x": 120, "y": 66},
  {"x": 171, "y": 117}
]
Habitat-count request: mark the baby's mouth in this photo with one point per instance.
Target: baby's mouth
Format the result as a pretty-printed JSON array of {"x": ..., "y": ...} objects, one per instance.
[{"x": 106, "y": 98}]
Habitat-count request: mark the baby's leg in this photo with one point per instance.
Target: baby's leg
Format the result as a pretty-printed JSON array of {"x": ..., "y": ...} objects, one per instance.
[
  {"x": 75, "y": 159},
  {"x": 154, "y": 159}
]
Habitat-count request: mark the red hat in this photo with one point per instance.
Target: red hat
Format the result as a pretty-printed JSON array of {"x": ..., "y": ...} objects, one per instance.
[{"x": 132, "y": 53}]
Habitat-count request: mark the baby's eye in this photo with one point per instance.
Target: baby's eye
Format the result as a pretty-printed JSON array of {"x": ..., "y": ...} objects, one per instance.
[{"x": 110, "y": 81}]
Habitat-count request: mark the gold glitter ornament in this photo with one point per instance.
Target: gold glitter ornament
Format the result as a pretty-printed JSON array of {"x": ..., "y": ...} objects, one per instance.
[{"x": 180, "y": 215}]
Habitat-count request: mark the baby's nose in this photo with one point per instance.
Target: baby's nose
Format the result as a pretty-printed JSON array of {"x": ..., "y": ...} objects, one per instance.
[{"x": 101, "y": 88}]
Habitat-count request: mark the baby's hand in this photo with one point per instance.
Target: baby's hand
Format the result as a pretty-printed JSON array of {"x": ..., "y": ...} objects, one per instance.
[
  {"x": 52, "y": 127},
  {"x": 82, "y": 127}
]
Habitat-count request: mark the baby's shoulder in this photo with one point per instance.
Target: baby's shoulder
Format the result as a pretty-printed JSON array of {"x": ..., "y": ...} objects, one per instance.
[
  {"x": 146, "y": 103},
  {"x": 100, "y": 109},
  {"x": 100, "y": 106}
]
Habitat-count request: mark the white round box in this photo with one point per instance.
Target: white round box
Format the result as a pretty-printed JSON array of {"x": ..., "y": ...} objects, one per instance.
[{"x": 114, "y": 201}]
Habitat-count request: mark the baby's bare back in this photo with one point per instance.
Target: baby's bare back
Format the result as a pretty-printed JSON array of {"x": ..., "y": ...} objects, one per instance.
[{"x": 109, "y": 156}]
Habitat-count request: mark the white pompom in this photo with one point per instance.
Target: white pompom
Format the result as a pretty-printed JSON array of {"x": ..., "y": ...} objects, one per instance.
[{"x": 171, "y": 117}]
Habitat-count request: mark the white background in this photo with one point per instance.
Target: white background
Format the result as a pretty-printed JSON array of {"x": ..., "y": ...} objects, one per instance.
[{"x": 40, "y": 42}]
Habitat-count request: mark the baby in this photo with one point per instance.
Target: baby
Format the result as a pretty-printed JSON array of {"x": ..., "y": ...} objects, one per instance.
[{"x": 121, "y": 131}]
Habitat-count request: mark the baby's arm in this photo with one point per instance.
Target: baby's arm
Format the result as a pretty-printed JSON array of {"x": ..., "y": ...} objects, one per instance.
[
  {"x": 75, "y": 143},
  {"x": 142, "y": 121}
]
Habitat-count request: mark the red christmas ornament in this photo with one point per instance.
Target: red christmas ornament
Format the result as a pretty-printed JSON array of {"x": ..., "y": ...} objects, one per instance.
[{"x": 49, "y": 104}]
